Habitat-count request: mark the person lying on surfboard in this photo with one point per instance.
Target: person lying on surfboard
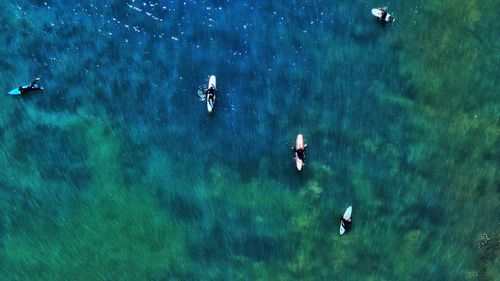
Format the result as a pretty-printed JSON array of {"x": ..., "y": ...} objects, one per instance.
[
  {"x": 301, "y": 152},
  {"x": 384, "y": 13},
  {"x": 346, "y": 224},
  {"x": 210, "y": 94},
  {"x": 31, "y": 87}
]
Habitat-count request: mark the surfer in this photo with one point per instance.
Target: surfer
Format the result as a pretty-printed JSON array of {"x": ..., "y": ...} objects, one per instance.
[
  {"x": 210, "y": 94},
  {"x": 31, "y": 87},
  {"x": 346, "y": 223},
  {"x": 301, "y": 152},
  {"x": 383, "y": 14}
]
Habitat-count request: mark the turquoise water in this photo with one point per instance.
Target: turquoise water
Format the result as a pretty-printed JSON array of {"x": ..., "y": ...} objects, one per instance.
[{"x": 117, "y": 172}]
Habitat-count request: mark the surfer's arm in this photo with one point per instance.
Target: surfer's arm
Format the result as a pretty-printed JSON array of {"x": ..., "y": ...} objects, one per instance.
[{"x": 34, "y": 82}]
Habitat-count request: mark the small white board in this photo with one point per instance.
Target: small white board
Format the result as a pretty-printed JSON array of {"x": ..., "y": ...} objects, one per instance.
[
  {"x": 15, "y": 92},
  {"x": 377, "y": 13},
  {"x": 346, "y": 216},
  {"x": 211, "y": 83},
  {"x": 299, "y": 144}
]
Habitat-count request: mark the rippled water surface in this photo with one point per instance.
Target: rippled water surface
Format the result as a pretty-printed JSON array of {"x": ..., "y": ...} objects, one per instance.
[{"x": 116, "y": 171}]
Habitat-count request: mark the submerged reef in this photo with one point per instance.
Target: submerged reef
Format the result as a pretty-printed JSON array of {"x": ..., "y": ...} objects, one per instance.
[{"x": 103, "y": 231}]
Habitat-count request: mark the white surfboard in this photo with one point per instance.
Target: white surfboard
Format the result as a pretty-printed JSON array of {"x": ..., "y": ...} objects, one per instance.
[
  {"x": 211, "y": 83},
  {"x": 346, "y": 216},
  {"x": 299, "y": 143}
]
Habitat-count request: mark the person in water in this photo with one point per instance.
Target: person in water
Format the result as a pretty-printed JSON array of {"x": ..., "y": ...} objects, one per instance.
[
  {"x": 31, "y": 87},
  {"x": 210, "y": 94},
  {"x": 301, "y": 152},
  {"x": 346, "y": 224},
  {"x": 384, "y": 14}
]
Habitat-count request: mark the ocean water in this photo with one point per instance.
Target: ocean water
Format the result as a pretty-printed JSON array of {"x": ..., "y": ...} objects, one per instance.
[{"x": 116, "y": 171}]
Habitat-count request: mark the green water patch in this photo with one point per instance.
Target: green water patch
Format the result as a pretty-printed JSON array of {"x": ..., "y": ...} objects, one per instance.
[
  {"x": 111, "y": 231},
  {"x": 448, "y": 55},
  {"x": 43, "y": 155},
  {"x": 301, "y": 227},
  {"x": 117, "y": 236}
]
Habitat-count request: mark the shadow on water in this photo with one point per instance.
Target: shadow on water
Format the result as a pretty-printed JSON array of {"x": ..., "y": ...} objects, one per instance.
[
  {"x": 224, "y": 240},
  {"x": 182, "y": 207}
]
